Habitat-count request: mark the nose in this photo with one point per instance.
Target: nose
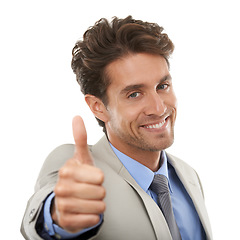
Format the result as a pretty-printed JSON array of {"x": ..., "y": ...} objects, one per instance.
[{"x": 155, "y": 105}]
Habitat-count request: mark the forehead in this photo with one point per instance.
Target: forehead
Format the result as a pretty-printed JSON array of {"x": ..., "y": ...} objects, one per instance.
[{"x": 141, "y": 68}]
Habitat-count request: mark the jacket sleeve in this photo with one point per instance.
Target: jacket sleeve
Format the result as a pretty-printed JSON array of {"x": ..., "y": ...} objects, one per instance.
[
  {"x": 44, "y": 186},
  {"x": 43, "y": 233}
]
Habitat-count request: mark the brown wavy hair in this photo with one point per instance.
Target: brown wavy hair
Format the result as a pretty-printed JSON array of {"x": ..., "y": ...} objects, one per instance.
[{"x": 106, "y": 42}]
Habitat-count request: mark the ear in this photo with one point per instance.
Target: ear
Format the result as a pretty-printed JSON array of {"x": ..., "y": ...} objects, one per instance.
[{"x": 97, "y": 107}]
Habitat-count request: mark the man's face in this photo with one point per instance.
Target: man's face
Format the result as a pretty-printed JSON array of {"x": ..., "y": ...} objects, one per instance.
[{"x": 141, "y": 108}]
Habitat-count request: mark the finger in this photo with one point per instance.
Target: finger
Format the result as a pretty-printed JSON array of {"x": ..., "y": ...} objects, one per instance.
[
  {"x": 76, "y": 222},
  {"x": 82, "y": 174},
  {"x": 82, "y": 153},
  {"x": 80, "y": 206},
  {"x": 81, "y": 191}
]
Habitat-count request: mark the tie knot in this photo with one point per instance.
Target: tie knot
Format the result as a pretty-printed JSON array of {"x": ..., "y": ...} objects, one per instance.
[{"x": 159, "y": 184}]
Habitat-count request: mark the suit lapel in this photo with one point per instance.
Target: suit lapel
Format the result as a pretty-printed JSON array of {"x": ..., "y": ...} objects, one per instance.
[
  {"x": 155, "y": 215},
  {"x": 193, "y": 187}
]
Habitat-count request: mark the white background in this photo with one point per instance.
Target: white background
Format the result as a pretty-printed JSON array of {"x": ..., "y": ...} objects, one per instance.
[{"x": 39, "y": 94}]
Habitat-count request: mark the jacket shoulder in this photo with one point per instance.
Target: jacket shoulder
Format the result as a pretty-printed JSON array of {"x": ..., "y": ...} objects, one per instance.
[{"x": 54, "y": 161}]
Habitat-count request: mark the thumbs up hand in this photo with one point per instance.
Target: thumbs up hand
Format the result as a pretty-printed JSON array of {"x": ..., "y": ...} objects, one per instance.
[{"x": 79, "y": 192}]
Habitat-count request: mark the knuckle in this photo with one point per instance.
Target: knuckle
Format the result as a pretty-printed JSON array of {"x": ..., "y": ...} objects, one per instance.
[
  {"x": 67, "y": 169},
  {"x": 102, "y": 192},
  {"x": 65, "y": 222},
  {"x": 62, "y": 190},
  {"x": 101, "y": 207},
  {"x": 100, "y": 176},
  {"x": 58, "y": 190},
  {"x": 94, "y": 220},
  {"x": 62, "y": 206},
  {"x": 63, "y": 172}
]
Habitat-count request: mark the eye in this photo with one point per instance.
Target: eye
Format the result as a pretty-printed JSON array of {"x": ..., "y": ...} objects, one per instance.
[
  {"x": 134, "y": 95},
  {"x": 162, "y": 86}
]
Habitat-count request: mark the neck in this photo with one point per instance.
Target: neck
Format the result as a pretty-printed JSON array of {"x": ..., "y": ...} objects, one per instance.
[{"x": 150, "y": 159}]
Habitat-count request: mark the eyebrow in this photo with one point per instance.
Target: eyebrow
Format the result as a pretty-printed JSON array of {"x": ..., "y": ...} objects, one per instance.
[
  {"x": 138, "y": 86},
  {"x": 132, "y": 88}
]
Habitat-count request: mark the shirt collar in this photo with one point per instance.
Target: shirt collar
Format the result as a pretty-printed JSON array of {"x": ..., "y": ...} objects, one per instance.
[{"x": 141, "y": 174}]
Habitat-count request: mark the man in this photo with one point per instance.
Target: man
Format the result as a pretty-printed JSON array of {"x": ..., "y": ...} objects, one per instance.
[{"x": 106, "y": 191}]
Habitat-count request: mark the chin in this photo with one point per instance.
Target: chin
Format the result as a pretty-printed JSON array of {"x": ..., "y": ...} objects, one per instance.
[
  {"x": 161, "y": 147},
  {"x": 154, "y": 146}
]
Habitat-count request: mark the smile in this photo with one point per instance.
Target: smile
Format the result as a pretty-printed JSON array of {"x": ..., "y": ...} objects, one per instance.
[
  {"x": 156, "y": 125},
  {"x": 159, "y": 125}
]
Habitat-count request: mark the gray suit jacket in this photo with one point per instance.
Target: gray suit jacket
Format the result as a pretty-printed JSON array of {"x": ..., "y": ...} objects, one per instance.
[{"x": 131, "y": 213}]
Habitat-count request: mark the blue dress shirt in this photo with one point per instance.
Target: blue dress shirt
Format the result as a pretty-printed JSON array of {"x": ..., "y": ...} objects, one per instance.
[{"x": 184, "y": 211}]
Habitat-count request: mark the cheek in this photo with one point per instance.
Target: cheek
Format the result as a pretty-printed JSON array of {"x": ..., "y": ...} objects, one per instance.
[
  {"x": 172, "y": 100},
  {"x": 126, "y": 117},
  {"x": 174, "y": 104},
  {"x": 133, "y": 113},
  {"x": 124, "y": 113}
]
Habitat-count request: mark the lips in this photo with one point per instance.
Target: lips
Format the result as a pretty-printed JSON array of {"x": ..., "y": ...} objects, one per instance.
[{"x": 156, "y": 125}]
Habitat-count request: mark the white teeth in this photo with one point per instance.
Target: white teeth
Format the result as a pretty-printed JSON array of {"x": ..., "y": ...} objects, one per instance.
[{"x": 156, "y": 125}]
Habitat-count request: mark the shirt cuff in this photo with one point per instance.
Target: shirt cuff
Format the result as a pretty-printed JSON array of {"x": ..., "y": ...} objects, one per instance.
[{"x": 55, "y": 230}]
